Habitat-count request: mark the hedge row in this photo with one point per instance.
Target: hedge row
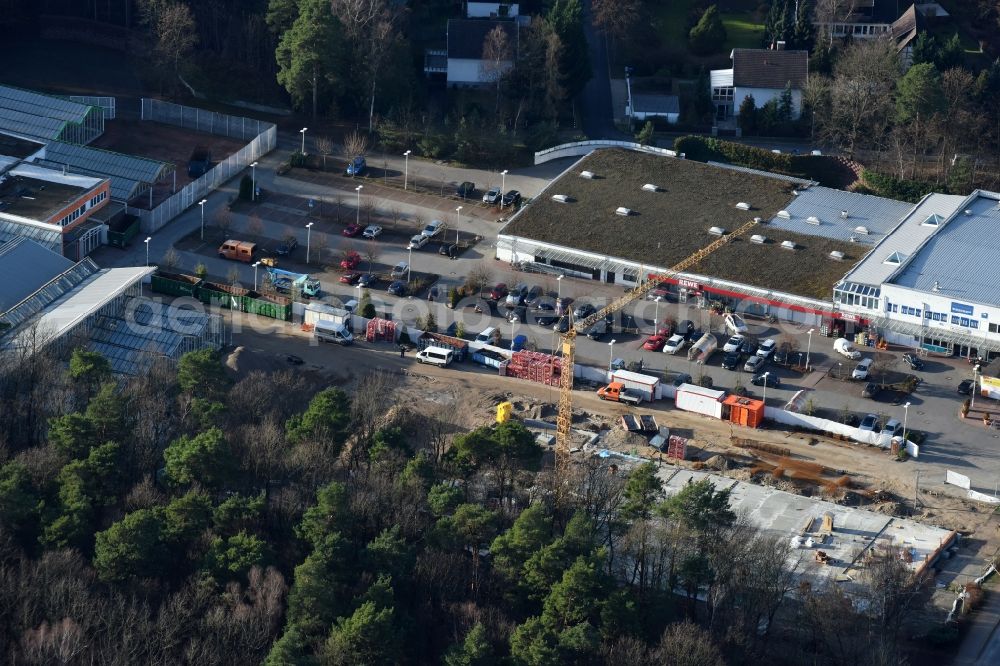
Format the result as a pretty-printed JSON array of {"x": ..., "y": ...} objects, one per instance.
[
  {"x": 706, "y": 149},
  {"x": 895, "y": 188}
]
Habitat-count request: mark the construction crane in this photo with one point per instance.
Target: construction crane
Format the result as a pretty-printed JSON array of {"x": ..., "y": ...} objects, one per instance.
[{"x": 565, "y": 415}]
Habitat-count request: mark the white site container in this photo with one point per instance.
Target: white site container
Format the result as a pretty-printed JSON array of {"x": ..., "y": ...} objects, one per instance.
[
  {"x": 701, "y": 400},
  {"x": 648, "y": 386}
]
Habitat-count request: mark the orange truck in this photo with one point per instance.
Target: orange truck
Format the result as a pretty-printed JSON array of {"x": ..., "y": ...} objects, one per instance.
[
  {"x": 616, "y": 392},
  {"x": 238, "y": 250}
]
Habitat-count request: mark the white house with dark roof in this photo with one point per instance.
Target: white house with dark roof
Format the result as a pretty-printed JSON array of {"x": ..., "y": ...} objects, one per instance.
[
  {"x": 761, "y": 73},
  {"x": 648, "y": 106},
  {"x": 467, "y": 65}
]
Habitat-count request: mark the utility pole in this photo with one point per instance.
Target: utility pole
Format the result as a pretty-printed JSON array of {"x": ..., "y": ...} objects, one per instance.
[{"x": 916, "y": 492}]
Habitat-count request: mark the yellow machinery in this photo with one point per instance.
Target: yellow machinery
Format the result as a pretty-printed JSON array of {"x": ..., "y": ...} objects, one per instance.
[
  {"x": 504, "y": 412},
  {"x": 565, "y": 416}
]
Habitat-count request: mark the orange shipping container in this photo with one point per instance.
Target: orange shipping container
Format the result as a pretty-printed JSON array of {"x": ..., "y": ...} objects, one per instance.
[{"x": 743, "y": 411}]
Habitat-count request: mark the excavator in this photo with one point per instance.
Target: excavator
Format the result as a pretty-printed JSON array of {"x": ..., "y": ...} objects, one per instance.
[{"x": 568, "y": 341}]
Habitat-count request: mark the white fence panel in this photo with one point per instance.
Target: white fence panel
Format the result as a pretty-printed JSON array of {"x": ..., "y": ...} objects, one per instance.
[
  {"x": 106, "y": 104},
  {"x": 580, "y": 148}
]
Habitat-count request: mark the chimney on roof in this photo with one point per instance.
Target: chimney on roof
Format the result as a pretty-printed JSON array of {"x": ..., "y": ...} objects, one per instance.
[{"x": 781, "y": 45}]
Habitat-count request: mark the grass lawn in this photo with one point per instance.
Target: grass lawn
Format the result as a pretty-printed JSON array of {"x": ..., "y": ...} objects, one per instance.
[
  {"x": 742, "y": 31},
  {"x": 670, "y": 19}
]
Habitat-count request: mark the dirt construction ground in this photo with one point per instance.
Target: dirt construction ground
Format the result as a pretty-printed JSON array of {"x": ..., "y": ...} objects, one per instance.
[
  {"x": 165, "y": 143},
  {"x": 790, "y": 461}
]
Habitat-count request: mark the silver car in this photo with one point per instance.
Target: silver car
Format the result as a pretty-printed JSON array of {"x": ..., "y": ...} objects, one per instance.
[{"x": 754, "y": 364}]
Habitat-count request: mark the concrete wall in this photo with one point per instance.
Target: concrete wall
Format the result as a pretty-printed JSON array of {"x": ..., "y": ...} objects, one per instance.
[
  {"x": 834, "y": 428},
  {"x": 581, "y": 148}
]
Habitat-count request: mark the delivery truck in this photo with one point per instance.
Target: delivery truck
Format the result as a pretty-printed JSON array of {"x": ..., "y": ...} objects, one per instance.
[
  {"x": 702, "y": 350},
  {"x": 616, "y": 392},
  {"x": 648, "y": 386},
  {"x": 286, "y": 282}
]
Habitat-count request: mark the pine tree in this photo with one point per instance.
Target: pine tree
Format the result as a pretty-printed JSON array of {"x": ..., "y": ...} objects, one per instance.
[{"x": 709, "y": 34}]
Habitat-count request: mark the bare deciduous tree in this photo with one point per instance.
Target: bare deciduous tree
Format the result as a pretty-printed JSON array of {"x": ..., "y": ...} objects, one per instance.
[
  {"x": 171, "y": 259},
  {"x": 255, "y": 225},
  {"x": 324, "y": 145},
  {"x": 223, "y": 220},
  {"x": 371, "y": 253},
  {"x": 479, "y": 277},
  {"x": 496, "y": 58},
  {"x": 395, "y": 214},
  {"x": 861, "y": 101},
  {"x": 322, "y": 243},
  {"x": 176, "y": 34},
  {"x": 369, "y": 205},
  {"x": 355, "y": 144}
]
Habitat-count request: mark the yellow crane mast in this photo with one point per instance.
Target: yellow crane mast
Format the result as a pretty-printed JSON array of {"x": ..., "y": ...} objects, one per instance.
[{"x": 565, "y": 415}]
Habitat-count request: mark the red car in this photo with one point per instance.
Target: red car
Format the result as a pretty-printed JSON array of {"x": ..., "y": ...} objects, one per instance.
[
  {"x": 352, "y": 230},
  {"x": 654, "y": 343},
  {"x": 351, "y": 261},
  {"x": 499, "y": 291},
  {"x": 350, "y": 278}
]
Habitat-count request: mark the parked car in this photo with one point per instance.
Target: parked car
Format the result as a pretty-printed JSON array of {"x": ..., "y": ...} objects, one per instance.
[
  {"x": 356, "y": 167},
  {"x": 512, "y": 198},
  {"x": 492, "y": 196},
  {"x": 913, "y": 361},
  {"x": 862, "y": 369},
  {"x": 674, "y": 344},
  {"x": 286, "y": 246},
  {"x": 735, "y": 324},
  {"x": 598, "y": 330},
  {"x": 352, "y": 230},
  {"x": 754, "y": 364},
  {"x": 767, "y": 348},
  {"x": 892, "y": 427},
  {"x": 515, "y": 296},
  {"x": 466, "y": 190},
  {"x": 844, "y": 347},
  {"x": 350, "y": 278},
  {"x": 769, "y": 378},
  {"x": 417, "y": 242},
  {"x": 400, "y": 270},
  {"x": 871, "y": 390},
  {"x": 351, "y": 261},
  {"x": 583, "y": 310},
  {"x": 734, "y": 344},
  {"x": 660, "y": 291},
  {"x": 965, "y": 387},
  {"x": 498, "y": 291},
  {"x": 397, "y": 288},
  {"x": 686, "y": 328},
  {"x": 367, "y": 280},
  {"x": 869, "y": 423},
  {"x": 681, "y": 378},
  {"x": 731, "y": 361},
  {"x": 780, "y": 356},
  {"x": 433, "y": 229},
  {"x": 372, "y": 231},
  {"x": 448, "y": 250},
  {"x": 534, "y": 294},
  {"x": 654, "y": 343},
  {"x": 545, "y": 314},
  {"x": 294, "y": 360},
  {"x": 200, "y": 162},
  {"x": 562, "y": 325}
]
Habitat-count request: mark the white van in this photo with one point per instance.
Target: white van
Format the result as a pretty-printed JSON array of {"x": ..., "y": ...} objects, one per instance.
[
  {"x": 489, "y": 336},
  {"x": 326, "y": 331},
  {"x": 435, "y": 356}
]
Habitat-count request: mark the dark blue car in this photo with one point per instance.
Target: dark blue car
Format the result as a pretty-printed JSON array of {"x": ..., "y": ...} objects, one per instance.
[
  {"x": 397, "y": 288},
  {"x": 357, "y": 166}
]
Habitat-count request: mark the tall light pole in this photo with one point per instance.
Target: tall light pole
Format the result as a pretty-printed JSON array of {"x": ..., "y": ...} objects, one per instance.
[
  {"x": 809, "y": 345},
  {"x": 559, "y": 287},
  {"x": 458, "y": 221},
  {"x": 148, "y": 238},
  {"x": 503, "y": 186},
  {"x": 513, "y": 322},
  {"x": 765, "y": 376},
  {"x": 656, "y": 314},
  {"x": 255, "y": 265},
  {"x": 308, "y": 238},
  {"x": 906, "y": 413},
  {"x": 303, "y": 133},
  {"x": 972, "y": 394},
  {"x": 358, "y": 190},
  {"x": 611, "y": 354},
  {"x": 406, "y": 168},
  {"x": 202, "y": 204},
  {"x": 253, "y": 180},
  {"x": 409, "y": 262},
  {"x": 628, "y": 85}
]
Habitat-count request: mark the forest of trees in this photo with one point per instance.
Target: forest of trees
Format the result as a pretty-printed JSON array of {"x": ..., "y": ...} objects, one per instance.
[{"x": 184, "y": 517}]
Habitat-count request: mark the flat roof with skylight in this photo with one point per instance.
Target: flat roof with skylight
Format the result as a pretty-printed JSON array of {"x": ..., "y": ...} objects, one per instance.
[
  {"x": 677, "y": 207},
  {"x": 32, "y": 193}
]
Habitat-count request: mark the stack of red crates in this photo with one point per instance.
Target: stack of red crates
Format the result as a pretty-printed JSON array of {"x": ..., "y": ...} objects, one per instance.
[
  {"x": 533, "y": 366},
  {"x": 381, "y": 329}
]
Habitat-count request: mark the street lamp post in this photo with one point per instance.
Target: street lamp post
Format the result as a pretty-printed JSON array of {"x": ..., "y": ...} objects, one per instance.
[
  {"x": 656, "y": 314},
  {"x": 409, "y": 263},
  {"x": 906, "y": 413},
  {"x": 255, "y": 265},
  {"x": 809, "y": 345},
  {"x": 202, "y": 205},
  {"x": 358, "y": 190},
  {"x": 503, "y": 186},
  {"x": 253, "y": 181},
  {"x": 764, "y": 377},
  {"x": 972, "y": 394},
  {"x": 148, "y": 238},
  {"x": 458, "y": 221},
  {"x": 303, "y": 133},
  {"x": 512, "y": 323},
  {"x": 406, "y": 168},
  {"x": 559, "y": 287},
  {"x": 628, "y": 85},
  {"x": 611, "y": 354},
  {"x": 308, "y": 238}
]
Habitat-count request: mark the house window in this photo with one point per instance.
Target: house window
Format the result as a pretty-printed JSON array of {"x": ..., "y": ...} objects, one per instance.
[{"x": 994, "y": 328}]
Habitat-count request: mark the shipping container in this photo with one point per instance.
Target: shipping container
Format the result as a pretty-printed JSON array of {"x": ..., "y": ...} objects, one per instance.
[
  {"x": 122, "y": 234},
  {"x": 647, "y": 385},
  {"x": 175, "y": 284},
  {"x": 743, "y": 411},
  {"x": 700, "y": 400},
  {"x": 457, "y": 346}
]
